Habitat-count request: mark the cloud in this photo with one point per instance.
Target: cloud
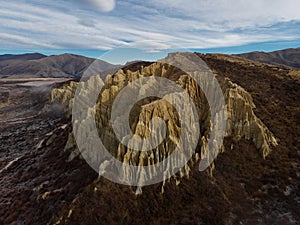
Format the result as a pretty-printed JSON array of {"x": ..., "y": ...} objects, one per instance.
[
  {"x": 101, "y": 5},
  {"x": 59, "y": 24},
  {"x": 232, "y": 13},
  {"x": 149, "y": 45}
]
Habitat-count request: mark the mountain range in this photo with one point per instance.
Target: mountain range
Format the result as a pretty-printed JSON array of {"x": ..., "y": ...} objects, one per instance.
[
  {"x": 36, "y": 65},
  {"x": 287, "y": 57},
  {"x": 40, "y": 66}
]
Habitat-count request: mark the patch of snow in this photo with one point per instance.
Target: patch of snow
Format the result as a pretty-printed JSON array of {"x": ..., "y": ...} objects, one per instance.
[
  {"x": 288, "y": 190},
  {"x": 9, "y": 164},
  {"x": 64, "y": 126}
]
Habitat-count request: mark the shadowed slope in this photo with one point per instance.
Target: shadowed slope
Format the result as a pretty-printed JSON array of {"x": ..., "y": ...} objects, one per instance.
[{"x": 286, "y": 57}]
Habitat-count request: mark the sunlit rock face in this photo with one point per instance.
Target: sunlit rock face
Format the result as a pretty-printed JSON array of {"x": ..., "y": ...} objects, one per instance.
[{"x": 242, "y": 123}]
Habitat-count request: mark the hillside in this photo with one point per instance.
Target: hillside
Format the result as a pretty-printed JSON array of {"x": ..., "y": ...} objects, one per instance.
[
  {"x": 28, "y": 56},
  {"x": 254, "y": 179},
  {"x": 39, "y": 66},
  {"x": 287, "y": 57}
]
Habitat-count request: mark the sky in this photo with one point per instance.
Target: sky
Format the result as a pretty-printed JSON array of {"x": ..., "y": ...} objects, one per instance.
[{"x": 94, "y": 27}]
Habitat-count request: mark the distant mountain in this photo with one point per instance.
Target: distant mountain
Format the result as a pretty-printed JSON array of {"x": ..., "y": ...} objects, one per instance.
[
  {"x": 287, "y": 57},
  {"x": 40, "y": 66},
  {"x": 28, "y": 56},
  {"x": 36, "y": 65}
]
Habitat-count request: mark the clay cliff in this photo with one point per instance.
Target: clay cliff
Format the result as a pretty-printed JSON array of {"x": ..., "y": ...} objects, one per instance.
[{"x": 242, "y": 123}]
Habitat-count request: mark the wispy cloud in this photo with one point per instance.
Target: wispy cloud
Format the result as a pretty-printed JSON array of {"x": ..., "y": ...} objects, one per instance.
[
  {"x": 98, "y": 24},
  {"x": 102, "y": 5},
  {"x": 232, "y": 13}
]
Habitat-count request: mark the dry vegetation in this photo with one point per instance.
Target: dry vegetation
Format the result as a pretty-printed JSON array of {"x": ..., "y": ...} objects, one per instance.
[{"x": 42, "y": 188}]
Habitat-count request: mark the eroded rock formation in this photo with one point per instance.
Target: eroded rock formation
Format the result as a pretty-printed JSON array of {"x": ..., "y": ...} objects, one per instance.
[{"x": 242, "y": 123}]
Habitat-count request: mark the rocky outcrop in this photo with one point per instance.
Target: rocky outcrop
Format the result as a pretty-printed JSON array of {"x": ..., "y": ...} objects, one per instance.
[
  {"x": 64, "y": 95},
  {"x": 242, "y": 123}
]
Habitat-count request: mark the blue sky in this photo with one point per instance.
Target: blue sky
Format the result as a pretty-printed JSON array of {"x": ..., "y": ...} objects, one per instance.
[{"x": 92, "y": 27}]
